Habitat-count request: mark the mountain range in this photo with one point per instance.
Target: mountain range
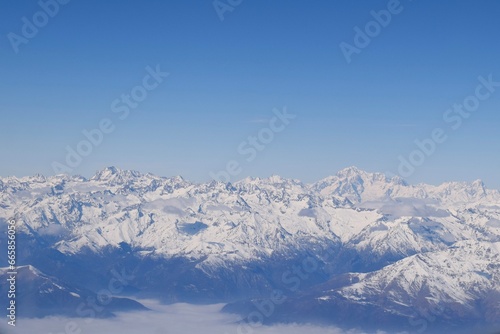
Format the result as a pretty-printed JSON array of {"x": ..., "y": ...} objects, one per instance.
[{"x": 356, "y": 249}]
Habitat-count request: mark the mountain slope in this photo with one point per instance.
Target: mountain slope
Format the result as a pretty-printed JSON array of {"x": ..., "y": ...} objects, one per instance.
[
  {"x": 452, "y": 290},
  {"x": 39, "y": 295},
  {"x": 218, "y": 242}
]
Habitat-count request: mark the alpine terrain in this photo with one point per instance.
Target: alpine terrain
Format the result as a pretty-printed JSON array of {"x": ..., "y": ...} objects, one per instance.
[{"x": 356, "y": 250}]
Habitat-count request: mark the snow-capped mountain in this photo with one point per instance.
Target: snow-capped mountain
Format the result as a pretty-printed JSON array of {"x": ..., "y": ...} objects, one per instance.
[
  {"x": 170, "y": 216},
  {"x": 222, "y": 242},
  {"x": 454, "y": 289},
  {"x": 39, "y": 294}
]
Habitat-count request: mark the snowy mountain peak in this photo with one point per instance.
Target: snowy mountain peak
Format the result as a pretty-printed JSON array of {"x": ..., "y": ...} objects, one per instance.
[
  {"x": 479, "y": 185},
  {"x": 105, "y": 174},
  {"x": 114, "y": 174},
  {"x": 24, "y": 270},
  {"x": 350, "y": 172},
  {"x": 276, "y": 179},
  {"x": 398, "y": 180},
  {"x": 175, "y": 179},
  {"x": 31, "y": 269}
]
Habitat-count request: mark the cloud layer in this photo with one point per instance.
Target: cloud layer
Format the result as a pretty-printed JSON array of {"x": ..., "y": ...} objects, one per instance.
[{"x": 171, "y": 319}]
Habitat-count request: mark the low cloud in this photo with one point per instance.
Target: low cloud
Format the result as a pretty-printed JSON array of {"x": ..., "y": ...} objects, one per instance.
[
  {"x": 171, "y": 319},
  {"x": 52, "y": 230},
  {"x": 410, "y": 207}
]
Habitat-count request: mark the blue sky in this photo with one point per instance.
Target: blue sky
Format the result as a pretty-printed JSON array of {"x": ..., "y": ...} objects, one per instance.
[{"x": 226, "y": 77}]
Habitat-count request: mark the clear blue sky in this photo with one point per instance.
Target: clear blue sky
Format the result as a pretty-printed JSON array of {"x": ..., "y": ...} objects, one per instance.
[{"x": 227, "y": 76}]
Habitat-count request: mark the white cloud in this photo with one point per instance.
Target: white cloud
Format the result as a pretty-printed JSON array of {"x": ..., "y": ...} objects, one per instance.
[
  {"x": 170, "y": 319},
  {"x": 410, "y": 207}
]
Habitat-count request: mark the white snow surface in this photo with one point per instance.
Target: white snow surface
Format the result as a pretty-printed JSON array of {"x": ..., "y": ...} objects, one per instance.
[{"x": 253, "y": 217}]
